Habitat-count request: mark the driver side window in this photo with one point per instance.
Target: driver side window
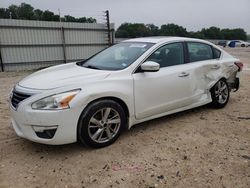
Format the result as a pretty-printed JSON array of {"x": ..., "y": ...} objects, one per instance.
[{"x": 168, "y": 55}]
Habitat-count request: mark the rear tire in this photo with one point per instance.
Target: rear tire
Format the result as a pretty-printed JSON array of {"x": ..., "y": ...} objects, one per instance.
[
  {"x": 220, "y": 94},
  {"x": 101, "y": 123},
  {"x": 243, "y": 45}
]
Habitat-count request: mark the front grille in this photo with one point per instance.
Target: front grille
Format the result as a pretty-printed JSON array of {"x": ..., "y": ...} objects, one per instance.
[{"x": 17, "y": 97}]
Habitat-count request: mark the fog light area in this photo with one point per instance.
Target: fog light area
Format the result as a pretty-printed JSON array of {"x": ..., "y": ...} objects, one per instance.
[{"x": 45, "y": 132}]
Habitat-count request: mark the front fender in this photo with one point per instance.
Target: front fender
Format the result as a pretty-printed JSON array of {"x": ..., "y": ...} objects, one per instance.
[{"x": 122, "y": 90}]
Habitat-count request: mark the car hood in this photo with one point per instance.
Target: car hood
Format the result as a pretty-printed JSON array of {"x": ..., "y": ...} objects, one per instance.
[{"x": 62, "y": 75}]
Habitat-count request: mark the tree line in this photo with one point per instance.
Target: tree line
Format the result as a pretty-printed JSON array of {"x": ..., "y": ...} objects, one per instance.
[
  {"x": 27, "y": 12},
  {"x": 133, "y": 30},
  {"x": 126, "y": 30}
]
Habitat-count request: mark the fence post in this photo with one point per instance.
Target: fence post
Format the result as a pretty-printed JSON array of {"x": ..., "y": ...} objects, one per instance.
[
  {"x": 1, "y": 59},
  {"x": 64, "y": 45},
  {"x": 112, "y": 36}
]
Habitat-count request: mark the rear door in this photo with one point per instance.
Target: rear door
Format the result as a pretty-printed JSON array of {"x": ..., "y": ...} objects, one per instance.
[{"x": 206, "y": 69}]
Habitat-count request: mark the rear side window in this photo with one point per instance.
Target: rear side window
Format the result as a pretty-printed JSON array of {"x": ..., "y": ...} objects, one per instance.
[
  {"x": 217, "y": 53},
  {"x": 199, "y": 51}
]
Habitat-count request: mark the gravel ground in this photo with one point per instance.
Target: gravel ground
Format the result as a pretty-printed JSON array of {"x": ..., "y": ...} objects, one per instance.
[{"x": 202, "y": 147}]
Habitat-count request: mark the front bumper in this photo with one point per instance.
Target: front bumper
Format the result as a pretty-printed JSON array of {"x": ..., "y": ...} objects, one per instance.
[{"x": 28, "y": 123}]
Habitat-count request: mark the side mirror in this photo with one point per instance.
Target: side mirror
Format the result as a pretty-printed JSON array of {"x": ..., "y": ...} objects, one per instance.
[{"x": 150, "y": 66}]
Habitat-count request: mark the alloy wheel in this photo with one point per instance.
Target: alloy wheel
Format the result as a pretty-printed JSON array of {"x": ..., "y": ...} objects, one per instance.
[
  {"x": 104, "y": 125},
  {"x": 221, "y": 92}
]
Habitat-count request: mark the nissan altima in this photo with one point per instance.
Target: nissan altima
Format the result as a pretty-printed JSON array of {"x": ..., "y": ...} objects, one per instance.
[{"x": 92, "y": 101}]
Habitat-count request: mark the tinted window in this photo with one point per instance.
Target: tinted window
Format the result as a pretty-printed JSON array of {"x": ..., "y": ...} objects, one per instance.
[
  {"x": 199, "y": 51},
  {"x": 168, "y": 55},
  {"x": 216, "y": 53}
]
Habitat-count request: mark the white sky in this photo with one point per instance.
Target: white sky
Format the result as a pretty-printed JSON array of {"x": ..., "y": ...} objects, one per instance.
[{"x": 191, "y": 14}]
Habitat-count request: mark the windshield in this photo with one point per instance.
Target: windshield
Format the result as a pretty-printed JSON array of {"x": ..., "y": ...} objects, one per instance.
[{"x": 117, "y": 57}]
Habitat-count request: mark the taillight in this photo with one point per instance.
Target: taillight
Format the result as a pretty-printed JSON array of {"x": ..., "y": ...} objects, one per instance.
[{"x": 239, "y": 65}]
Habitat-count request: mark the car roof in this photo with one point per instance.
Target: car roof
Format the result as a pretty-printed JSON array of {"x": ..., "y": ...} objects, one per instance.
[{"x": 160, "y": 39}]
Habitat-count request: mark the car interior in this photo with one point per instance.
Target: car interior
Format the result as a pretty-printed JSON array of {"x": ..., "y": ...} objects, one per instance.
[{"x": 168, "y": 56}]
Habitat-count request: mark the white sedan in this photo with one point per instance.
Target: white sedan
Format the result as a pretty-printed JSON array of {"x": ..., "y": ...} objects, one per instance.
[
  {"x": 92, "y": 101},
  {"x": 238, "y": 43},
  {"x": 241, "y": 43}
]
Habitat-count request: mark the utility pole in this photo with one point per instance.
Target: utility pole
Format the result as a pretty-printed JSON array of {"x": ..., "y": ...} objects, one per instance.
[
  {"x": 108, "y": 26},
  {"x": 63, "y": 37},
  {"x": 60, "y": 20}
]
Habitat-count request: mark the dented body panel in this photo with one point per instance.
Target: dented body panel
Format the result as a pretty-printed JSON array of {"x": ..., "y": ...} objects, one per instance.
[{"x": 145, "y": 95}]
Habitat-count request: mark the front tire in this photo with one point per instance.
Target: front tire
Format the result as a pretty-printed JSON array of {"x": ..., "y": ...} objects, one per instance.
[
  {"x": 220, "y": 94},
  {"x": 101, "y": 123}
]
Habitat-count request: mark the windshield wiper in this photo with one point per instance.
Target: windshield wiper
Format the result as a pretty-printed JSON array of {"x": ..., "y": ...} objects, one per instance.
[{"x": 91, "y": 67}]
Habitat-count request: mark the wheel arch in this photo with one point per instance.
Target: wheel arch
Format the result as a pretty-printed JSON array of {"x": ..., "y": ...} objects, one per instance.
[
  {"x": 216, "y": 103},
  {"x": 116, "y": 99},
  {"x": 212, "y": 85},
  {"x": 85, "y": 112}
]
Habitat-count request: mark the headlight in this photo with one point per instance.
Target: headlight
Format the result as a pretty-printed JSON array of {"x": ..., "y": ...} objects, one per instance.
[{"x": 55, "y": 102}]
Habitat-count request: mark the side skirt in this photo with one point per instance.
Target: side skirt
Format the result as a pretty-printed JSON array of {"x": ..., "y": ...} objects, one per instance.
[{"x": 133, "y": 121}]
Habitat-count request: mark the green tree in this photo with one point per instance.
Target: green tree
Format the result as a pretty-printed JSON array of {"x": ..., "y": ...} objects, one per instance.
[
  {"x": 239, "y": 34},
  {"x": 231, "y": 34},
  {"x": 82, "y": 19},
  {"x": 132, "y": 30},
  {"x": 173, "y": 30},
  {"x": 4, "y": 13},
  {"x": 122, "y": 31},
  {"x": 69, "y": 18},
  {"x": 227, "y": 34},
  {"x": 197, "y": 34},
  {"x": 49, "y": 16},
  {"x": 154, "y": 30},
  {"x": 212, "y": 33},
  {"x": 25, "y": 11},
  {"x": 13, "y": 10},
  {"x": 38, "y": 14},
  {"x": 89, "y": 20}
]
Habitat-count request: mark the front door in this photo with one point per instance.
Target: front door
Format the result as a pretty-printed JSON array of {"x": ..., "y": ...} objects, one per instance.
[{"x": 167, "y": 89}]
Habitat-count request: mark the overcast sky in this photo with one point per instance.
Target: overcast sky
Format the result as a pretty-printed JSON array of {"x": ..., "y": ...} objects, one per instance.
[{"x": 191, "y": 14}]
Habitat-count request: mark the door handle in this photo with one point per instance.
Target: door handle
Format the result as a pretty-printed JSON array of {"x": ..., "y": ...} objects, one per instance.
[
  {"x": 184, "y": 74},
  {"x": 215, "y": 67}
]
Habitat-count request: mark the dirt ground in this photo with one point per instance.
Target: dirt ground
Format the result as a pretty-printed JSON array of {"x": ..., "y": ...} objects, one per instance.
[{"x": 202, "y": 147}]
